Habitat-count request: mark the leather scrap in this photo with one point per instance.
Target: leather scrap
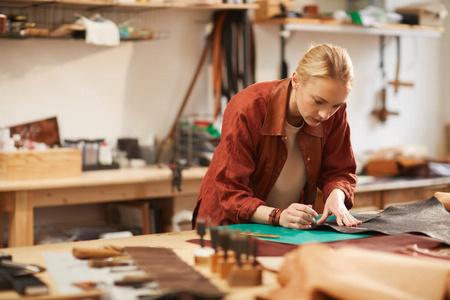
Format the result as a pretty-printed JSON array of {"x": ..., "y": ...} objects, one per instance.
[
  {"x": 171, "y": 272},
  {"x": 315, "y": 271},
  {"x": 428, "y": 217}
]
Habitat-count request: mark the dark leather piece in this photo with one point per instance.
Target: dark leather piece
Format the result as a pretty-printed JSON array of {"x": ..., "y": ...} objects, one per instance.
[
  {"x": 428, "y": 217},
  {"x": 171, "y": 272}
]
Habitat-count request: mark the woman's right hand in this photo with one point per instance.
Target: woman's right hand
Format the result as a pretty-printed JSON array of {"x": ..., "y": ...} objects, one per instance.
[{"x": 298, "y": 216}]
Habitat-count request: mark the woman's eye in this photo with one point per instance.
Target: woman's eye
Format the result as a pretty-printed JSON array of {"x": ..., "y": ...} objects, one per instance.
[{"x": 318, "y": 101}]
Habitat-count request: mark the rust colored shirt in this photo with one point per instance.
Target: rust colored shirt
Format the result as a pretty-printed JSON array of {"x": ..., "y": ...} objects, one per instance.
[{"x": 252, "y": 152}]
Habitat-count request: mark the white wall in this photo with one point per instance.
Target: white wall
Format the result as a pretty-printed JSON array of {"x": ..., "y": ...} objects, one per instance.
[
  {"x": 136, "y": 88},
  {"x": 419, "y": 107},
  {"x": 446, "y": 65},
  {"x": 131, "y": 90}
]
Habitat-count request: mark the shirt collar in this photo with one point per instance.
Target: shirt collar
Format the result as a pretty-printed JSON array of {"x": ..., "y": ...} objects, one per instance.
[{"x": 276, "y": 112}]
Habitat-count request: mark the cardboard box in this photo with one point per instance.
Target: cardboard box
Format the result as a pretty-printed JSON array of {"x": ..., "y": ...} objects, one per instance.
[
  {"x": 270, "y": 8},
  {"x": 40, "y": 164},
  {"x": 382, "y": 167},
  {"x": 428, "y": 14}
]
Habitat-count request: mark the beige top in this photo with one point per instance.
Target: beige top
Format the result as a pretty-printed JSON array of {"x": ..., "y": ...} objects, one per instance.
[{"x": 289, "y": 185}]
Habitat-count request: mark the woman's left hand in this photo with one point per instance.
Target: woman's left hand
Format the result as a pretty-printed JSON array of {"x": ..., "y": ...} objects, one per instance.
[{"x": 335, "y": 206}]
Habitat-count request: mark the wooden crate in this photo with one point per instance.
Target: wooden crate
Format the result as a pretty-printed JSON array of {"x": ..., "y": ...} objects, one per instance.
[
  {"x": 382, "y": 167},
  {"x": 40, "y": 164},
  {"x": 426, "y": 17},
  {"x": 270, "y": 8}
]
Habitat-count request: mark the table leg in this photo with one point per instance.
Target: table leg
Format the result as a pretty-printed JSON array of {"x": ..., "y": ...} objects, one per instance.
[
  {"x": 2, "y": 229},
  {"x": 21, "y": 220}
]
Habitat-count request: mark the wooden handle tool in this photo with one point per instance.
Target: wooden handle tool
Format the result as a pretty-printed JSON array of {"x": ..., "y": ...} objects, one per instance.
[{"x": 87, "y": 253}]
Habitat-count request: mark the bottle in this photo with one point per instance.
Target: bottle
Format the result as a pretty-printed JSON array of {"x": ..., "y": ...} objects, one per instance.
[
  {"x": 4, "y": 136},
  {"x": 8, "y": 145},
  {"x": 105, "y": 154},
  {"x": 17, "y": 140},
  {"x": 90, "y": 153}
]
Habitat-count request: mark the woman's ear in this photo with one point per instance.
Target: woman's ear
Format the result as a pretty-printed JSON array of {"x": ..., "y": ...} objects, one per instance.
[{"x": 295, "y": 80}]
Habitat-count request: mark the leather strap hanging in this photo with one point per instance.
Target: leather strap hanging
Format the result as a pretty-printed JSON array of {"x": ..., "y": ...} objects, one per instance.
[{"x": 218, "y": 57}]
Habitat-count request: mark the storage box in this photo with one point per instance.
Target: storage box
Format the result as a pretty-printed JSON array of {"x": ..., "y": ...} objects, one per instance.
[
  {"x": 427, "y": 14},
  {"x": 382, "y": 167},
  {"x": 270, "y": 8},
  {"x": 40, "y": 164}
]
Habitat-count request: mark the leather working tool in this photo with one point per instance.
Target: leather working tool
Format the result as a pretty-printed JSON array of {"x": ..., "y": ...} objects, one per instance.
[
  {"x": 20, "y": 277},
  {"x": 382, "y": 112},
  {"x": 106, "y": 252},
  {"x": 397, "y": 83}
]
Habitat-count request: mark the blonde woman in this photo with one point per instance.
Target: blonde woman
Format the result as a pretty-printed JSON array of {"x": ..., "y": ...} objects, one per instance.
[{"x": 281, "y": 140}]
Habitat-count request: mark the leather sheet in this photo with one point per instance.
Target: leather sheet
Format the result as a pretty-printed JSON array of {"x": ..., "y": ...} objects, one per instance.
[
  {"x": 313, "y": 271},
  {"x": 428, "y": 217},
  {"x": 172, "y": 273}
]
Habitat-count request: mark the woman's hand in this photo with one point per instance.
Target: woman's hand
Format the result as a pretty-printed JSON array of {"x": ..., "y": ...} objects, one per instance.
[
  {"x": 335, "y": 206},
  {"x": 298, "y": 216}
]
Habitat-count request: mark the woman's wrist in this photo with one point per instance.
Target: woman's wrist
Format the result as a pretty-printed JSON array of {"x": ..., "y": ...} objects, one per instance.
[{"x": 274, "y": 216}]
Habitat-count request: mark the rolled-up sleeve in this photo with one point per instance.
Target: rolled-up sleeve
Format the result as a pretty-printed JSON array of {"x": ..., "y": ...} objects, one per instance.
[
  {"x": 237, "y": 151},
  {"x": 338, "y": 162}
]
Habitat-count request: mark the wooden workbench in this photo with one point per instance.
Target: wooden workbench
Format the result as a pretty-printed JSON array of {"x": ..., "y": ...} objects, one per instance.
[
  {"x": 19, "y": 198},
  {"x": 380, "y": 193},
  {"x": 175, "y": 241}
]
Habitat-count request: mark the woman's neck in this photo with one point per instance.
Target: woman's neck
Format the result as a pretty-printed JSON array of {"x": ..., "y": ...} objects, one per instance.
[{"x": 293, "y": 116}]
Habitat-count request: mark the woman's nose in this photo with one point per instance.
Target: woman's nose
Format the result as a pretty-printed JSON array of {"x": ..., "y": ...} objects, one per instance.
[{"x": 324, "y": 114}]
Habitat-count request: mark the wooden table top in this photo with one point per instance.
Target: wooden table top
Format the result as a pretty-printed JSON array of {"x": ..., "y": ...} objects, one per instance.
[
  {"x": 104, "y": 177},
  {"x": 174, "y": 240}
]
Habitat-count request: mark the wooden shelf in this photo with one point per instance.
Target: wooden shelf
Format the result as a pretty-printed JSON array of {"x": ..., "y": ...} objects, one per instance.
[
  {"x": 23, "y": 3},
  {"x": 319, "y": 25},
  {"x": 134, "y": 6}
]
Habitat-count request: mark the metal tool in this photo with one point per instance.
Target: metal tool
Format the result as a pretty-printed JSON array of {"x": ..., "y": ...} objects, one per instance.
[{"x": 265, "y": 235}]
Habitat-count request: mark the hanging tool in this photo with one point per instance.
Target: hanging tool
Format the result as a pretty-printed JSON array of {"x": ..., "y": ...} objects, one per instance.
[
  {"x": 381, "y": 112},
  {"x": 397, "y": 83}
]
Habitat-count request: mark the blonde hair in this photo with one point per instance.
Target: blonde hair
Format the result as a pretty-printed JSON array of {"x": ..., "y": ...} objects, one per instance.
[{"x": 326, "y": 61}]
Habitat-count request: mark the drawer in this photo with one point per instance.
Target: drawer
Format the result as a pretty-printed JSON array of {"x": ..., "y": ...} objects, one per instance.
[{"x": 411, "y": 195}]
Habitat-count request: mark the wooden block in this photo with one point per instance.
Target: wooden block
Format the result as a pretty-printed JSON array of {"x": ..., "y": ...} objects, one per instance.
[
  {"x": 245, "y": 276},
  {"x": 270, "y": 8},
  {"x": 202, "y": 256},
  {"x": 224, "y": 267},
  {"x": 382, "y": 167},
  {"x": 425, "y": 16},
  {"x": 214, "y": 261},
  {"x": 40, "y": 164},
  {"x": 44, "y": 32},
  {"x": 66, "y": 29}
]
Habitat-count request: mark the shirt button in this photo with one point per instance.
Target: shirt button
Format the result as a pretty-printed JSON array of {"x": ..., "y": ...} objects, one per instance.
[{"x": 308, "y": 158}]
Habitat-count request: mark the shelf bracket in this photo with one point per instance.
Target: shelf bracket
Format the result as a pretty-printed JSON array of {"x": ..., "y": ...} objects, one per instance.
[
  {"x": 381, "y": 111},
  {"x": 397, "y": 83}
]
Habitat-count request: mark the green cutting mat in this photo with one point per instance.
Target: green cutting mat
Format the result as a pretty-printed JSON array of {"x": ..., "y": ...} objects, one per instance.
[{"x": 295, "y": 236}]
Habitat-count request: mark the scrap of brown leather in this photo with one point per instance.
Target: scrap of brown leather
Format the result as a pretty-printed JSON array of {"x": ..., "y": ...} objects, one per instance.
[{"x": 316, "y": 271}]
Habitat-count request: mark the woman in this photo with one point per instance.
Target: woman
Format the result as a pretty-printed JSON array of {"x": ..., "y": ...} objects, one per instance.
[{"x": 282, "y": 140}]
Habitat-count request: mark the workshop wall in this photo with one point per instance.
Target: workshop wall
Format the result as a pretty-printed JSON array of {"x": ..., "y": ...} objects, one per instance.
[
  {"x": 136, "y": 89},
  {"x": 420, "y": 114},
  {"x": 446, "y": 64}
]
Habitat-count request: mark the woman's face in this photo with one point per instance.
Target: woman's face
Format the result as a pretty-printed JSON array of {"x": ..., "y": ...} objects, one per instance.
[{"x": 317, "y": 99}]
